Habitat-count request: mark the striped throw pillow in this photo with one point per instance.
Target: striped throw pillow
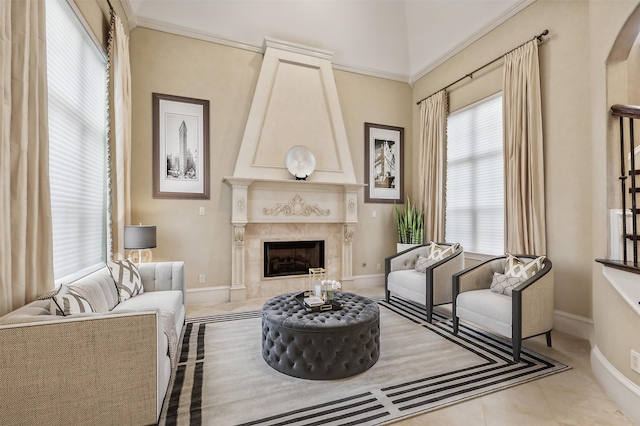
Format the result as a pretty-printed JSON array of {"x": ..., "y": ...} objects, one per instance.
[
  {"x": 127, "y": 278},
  {"x": 67, "y": 302}
]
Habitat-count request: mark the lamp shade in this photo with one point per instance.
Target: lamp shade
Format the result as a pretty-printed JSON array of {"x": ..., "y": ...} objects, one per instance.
[{"x": 139, "y": 237}]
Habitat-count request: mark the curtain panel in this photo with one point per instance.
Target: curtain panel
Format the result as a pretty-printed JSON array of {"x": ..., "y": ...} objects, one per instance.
[
  {"x": 525, "y": 228},
  {"x": 120, "y": 136},
  {"x": 432, "y": 166},
  {"x": 26, "y": 254}
]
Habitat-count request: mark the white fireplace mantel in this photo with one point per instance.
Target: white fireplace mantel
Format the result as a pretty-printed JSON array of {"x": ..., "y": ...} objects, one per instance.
[{"x": 289, "y": 201}]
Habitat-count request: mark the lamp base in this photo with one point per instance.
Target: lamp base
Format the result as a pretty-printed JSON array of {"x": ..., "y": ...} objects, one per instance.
[{"x": 141, "y": 256}]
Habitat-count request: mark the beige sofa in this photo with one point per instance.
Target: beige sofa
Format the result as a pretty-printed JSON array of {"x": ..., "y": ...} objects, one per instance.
[{"x": 108, "y": 367}]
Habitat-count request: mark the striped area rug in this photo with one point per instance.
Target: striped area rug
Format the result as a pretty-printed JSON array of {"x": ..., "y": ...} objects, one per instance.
[{"x": 221, "y": 378}]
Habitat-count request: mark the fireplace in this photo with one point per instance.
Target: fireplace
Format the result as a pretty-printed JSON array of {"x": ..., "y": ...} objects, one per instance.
[{"x": 282, "y": 258}]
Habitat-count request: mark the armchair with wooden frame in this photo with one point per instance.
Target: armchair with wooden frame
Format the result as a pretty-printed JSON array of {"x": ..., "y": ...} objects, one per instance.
[
  {"x": 528, "y": 312},
  {"x": 431, "y": 287}
]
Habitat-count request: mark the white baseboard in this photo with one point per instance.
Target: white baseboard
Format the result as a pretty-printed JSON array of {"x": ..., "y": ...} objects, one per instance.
[
  {"x": 366, "y": 281},
  {"x": 217, "y": 294},
  {"x": 574, "y": 325},
  {"x": 621, "y": 390}
]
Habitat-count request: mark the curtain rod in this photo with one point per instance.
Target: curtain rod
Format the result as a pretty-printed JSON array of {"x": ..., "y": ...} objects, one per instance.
[
  {"x": 110, "y": 7},
  {"x": 470, "y": 75}
]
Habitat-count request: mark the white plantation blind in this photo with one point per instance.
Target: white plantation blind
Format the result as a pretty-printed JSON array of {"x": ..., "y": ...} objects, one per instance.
[
  {"x": 475, "y": 178},
  {"x": 76, "y": 71}
]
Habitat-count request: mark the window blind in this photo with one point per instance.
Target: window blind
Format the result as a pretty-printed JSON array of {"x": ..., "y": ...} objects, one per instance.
[
  {"x": 76, "y": 71},
  {"x": 475, "y": 178}
]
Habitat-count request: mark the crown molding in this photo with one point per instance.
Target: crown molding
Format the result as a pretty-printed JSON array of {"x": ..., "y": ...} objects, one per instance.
[
  {"x": 508, "y": 14},
  {"x": 128, "y": 11},
  {"x": 157, "y": 25},
  {"x": 153, "y": 24},
  {"x": 296, "y": 48}
]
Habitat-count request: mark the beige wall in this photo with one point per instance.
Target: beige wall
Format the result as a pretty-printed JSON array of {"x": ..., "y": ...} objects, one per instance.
[
  {"x": 565, "y": 124},
  {"x": 613, "y": 29},
  {"x": 227, "y": 77}
]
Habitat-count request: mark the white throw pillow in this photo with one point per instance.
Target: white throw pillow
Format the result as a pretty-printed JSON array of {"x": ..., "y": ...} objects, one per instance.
[
  {"x": 67, "y": 302},
  {"x": 127, "y": 278},
  {"x": 423, "y": 263},
  {"x": 504, "y": 284},
  {"x": 439, "y": 252},
  {"x": 519, "y": 268}
]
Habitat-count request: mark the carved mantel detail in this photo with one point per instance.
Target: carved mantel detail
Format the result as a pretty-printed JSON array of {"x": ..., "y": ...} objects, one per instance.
[
  {"x": 349, "y": 230},
  {"x": 238, "y": 235},
  {"x": 296, "y": 207}
]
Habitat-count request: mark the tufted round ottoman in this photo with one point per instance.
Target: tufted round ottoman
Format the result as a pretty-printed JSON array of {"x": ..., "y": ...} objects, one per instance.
[{"x": 321, "y": 345}]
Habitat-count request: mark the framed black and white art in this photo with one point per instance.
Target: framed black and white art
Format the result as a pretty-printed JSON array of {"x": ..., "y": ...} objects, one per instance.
[
  {"x": 180, "y": 147},
  {"x": 384, "y": 153}
]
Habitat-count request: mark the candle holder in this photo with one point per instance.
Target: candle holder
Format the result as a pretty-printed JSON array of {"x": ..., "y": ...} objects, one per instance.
[{"x": 316, "y": 276}]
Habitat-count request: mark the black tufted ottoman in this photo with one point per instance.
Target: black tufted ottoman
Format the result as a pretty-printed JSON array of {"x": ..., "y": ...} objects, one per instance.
[{"x": 321, "y": 345}]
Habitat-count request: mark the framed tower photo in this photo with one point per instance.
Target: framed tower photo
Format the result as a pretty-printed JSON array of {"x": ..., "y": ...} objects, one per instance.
[
  {"x": 383, "y": 164},
  {"x": 180, "y": 147}
]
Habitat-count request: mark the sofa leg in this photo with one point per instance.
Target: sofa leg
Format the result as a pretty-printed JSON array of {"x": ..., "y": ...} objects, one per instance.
[{"x": 548, "y": 333}]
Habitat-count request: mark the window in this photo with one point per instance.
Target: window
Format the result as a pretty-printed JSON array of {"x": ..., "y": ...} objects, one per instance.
[
  {"x": 76, "y": 70},
  {"x": 475, "y": 178}
]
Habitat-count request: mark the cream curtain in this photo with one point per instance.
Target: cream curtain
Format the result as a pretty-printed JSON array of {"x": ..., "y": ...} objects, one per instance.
[
  {"x": 26, "y": 256},
  {"x": 432, "y": 169},
  {"x": 525, "y": 229},
  {"x": 120, "y": 141}
]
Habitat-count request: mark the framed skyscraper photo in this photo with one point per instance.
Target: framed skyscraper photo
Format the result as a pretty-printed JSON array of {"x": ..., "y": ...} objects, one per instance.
[
  {"x": 180, "y": 147},
  {"x": 383, "y": 163}
]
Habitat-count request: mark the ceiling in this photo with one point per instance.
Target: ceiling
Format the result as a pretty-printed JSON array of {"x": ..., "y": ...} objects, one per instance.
[{"x": 396, "y": 39}]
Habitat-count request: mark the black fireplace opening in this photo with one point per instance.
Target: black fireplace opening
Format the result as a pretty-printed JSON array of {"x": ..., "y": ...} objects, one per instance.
[{"x": 282, "y": 258}]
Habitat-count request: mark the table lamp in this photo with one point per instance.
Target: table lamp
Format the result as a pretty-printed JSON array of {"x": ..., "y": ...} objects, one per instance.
[{"x": 140, "y": 237}]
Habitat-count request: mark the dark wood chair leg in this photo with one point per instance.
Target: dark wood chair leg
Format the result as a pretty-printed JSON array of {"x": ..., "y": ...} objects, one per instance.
[
  {"x": 387, "y": 295},
  {"x": 455, "y": 325},
  {"x": 548, "y": 338},
  {"x": 429, "y": 314},
  {"x": 517, "y": 343}
]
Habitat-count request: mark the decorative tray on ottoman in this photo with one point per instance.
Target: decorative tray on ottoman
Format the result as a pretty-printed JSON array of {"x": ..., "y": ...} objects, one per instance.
[{"x": 307, "y": 299}]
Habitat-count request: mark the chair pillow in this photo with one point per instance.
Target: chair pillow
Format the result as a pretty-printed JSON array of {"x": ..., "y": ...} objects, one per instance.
[
  {"x": 504, "y": 284},
  {"x": 438, "y": 252},
  {"x": 68, "y": 302},
  {"x": 127, "y": 278},
  {"x": 423, "y": 263},
  {"x": 516, "y": 267}
]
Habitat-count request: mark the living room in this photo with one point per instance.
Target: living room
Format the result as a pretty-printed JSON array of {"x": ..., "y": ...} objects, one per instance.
[{"x": 586, "y": 66}]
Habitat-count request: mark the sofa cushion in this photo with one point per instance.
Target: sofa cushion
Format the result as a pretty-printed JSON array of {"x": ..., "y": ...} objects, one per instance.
[
  {"x": 407, "y": 283},
  {"x": 504, "y": 284},
  {"x": 439, "y": 252},
  {"x": 520, "y": 268},
  {"x": 127, "y": 278},
  {"x": 487, "y": 309},
  {"x": 68, "y": 302},
  {"x": 166, "y": 301}
]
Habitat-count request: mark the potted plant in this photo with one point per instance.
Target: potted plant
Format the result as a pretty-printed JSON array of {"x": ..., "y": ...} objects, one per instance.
[{"x": 410, "y": 226}]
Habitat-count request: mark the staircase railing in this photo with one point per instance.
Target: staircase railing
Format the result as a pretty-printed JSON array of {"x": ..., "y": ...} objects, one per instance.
[{"x": 627, "y": 113}]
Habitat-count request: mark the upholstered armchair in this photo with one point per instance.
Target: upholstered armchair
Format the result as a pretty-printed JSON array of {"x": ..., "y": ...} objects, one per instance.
[
  {"x": 423, "y": 274},
  {"x": 517, "y": 307}
]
